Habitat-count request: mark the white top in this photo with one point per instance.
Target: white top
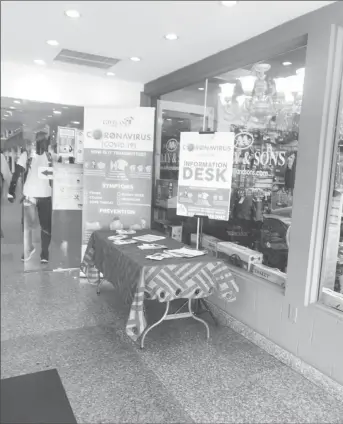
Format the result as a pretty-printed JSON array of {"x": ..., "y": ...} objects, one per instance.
[
  {"x": 5, "y": 170},
  {"x": 35, "y": 186}
]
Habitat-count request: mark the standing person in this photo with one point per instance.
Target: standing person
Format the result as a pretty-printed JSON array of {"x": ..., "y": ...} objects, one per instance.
[
  {"x": 5, "y": 180},
  {"x": 37, "y": 194}
]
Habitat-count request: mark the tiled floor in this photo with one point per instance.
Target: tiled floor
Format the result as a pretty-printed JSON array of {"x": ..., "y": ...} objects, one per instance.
[{"x": 51, "y": 320}]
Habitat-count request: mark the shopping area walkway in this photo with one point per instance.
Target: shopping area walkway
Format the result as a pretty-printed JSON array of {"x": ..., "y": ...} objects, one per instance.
[{"x": 51, "y": 320}]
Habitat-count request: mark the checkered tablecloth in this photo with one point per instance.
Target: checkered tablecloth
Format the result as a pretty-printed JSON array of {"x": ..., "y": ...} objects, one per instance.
[{"x": 163, "y": 281}]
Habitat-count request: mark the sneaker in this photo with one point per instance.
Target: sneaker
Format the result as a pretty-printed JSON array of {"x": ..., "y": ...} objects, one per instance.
[
  {"x": 44, "y": 259},
  {"x": 27, "y": 257}
]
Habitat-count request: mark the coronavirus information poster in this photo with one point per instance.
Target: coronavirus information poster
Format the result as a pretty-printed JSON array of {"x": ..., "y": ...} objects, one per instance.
[
  {"x": 117, "y": 166},
  {"x": 205, "y": 174}
]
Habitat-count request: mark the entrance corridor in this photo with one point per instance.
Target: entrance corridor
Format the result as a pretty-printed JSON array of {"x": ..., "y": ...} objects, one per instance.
[{"x": 52, "y": 320}]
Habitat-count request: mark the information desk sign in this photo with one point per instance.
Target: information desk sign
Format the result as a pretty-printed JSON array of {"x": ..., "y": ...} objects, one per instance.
[{"x": 205, "y": 174}]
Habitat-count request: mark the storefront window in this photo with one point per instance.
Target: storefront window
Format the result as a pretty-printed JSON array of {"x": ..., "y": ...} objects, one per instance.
[
  {"x": 331, "y": 291},
  {"x": 177, "y": 112},
  {"x": 261, "y": 104}
]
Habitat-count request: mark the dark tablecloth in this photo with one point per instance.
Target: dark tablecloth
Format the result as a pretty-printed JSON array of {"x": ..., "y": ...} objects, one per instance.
[{"x": 134, "y": 276}]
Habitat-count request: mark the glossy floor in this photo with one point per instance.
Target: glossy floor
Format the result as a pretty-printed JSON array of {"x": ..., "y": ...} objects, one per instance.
[{"x": 52, "y": 320}]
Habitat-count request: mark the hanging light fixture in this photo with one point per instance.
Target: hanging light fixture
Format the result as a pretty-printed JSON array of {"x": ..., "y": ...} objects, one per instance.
[
  {"x": 248, "y": 83},
  {"x": 226, "y": 92}
]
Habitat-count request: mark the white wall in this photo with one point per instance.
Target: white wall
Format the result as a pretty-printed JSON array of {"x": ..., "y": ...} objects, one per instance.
[
  {"x": 55, "y": 86},
  {"x": 316, "y": 337}
]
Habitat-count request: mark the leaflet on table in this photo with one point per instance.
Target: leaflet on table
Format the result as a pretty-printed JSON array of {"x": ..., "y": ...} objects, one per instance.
[
  {"x": 149, "y": 238},
  {"x": 117, "y": 161},
  {"x": 205, "y": 174},
  {"x": 67, "y": 187},
  {"x": 151, "y": 246},
  {"x": 124, "y": 242},
  {"x": 177, "y": 253},
  {"x": 117, "y": 237}
]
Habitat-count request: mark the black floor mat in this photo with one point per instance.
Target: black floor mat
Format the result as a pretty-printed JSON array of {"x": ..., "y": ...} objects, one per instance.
[{"x": 35, "y": 398}]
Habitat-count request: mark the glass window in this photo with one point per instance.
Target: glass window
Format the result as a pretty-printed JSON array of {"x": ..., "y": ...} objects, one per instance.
[
  {"x": 331, "y": 290},
  {"x": 177, "y": 112},
  {"x": 261, "y": 103}
]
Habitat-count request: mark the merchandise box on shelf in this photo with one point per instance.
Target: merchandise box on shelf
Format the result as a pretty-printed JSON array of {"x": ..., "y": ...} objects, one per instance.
[
  {"x": 166, "y": 194},
  {"x": 208, "y": 242},
  {"x": 270, "y": 274},
  {"x": 239, "y": 256},
  {"x": 172, "y": 230},
  {"x": 163, "y": 214}
]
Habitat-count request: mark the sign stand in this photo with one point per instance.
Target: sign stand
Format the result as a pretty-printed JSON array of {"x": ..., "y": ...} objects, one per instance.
[
  {"x": 199, "y": 230},
  {"x": 201, "y": 217}
]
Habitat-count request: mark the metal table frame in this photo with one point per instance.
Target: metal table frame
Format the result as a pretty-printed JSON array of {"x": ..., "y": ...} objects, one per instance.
[{"x": 200, "y": 308}]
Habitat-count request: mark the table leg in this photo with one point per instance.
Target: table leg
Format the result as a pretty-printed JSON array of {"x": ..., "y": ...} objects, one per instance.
[
  {"x": 99, "y": 284},
  {"x": 198, "y": 319},
  {"x": 176, "y": 315},
  {"x": 150, "y": 327},
  {"x": 205, "y": 308}
]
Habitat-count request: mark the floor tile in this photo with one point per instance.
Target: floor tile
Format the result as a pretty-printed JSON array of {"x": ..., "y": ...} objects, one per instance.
[
  {"x": 60, "y": 349},
  {"x": 120, "y": 390},
  {"x": 54, "y": 320},
  {"x": 38, "y": 303},
  {"x": 310, "y": 402}
]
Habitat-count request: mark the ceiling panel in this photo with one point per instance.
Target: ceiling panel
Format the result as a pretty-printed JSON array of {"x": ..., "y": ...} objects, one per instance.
[{"x": 122, "y": 29}]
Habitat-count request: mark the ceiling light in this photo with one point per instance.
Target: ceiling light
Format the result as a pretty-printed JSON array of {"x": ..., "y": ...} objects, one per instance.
[
  {"x": 287, "y": 63},
  {"x": 12, "y": 107},
  {"x": 6, "y": 116},
  {"x": 229, "y": 3},
  {"x": 49, "y": 116},
  {"x": 39, "y": 62},
  {"x": 57, "y": 112},
  {"x": 201, "y": 89},
  {"x": 73, "y": 14},
  {"x": 53, "y": 42},
  {"x": 171, "y": 37},
  {"x": 38, "y": 122},
  {"x": 43, "y": 119},
  {"x": 64, "y": 107},
  {"x": 16, "y": 102},
  {"x": 135, "y": 59},
  {"x": 110, "y": 74},
  {"x": 75, "y": 122}
]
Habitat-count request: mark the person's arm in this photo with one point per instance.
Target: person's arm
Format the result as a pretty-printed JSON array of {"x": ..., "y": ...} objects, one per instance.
[
  {"x": 5, "y": 170},
  {"x": 19, "y": 169}
]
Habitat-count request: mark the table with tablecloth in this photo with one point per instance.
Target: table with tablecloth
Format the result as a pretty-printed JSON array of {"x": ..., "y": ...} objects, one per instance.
[{"x": 135, "y": 277}]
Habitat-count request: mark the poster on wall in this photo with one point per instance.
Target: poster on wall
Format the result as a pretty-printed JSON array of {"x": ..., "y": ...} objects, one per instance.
[
  {"x": 117, "y": 165},
  {"x": 170, "y": 152},
  {"x": 79, "y": 147},
  {"x": 67, "y": 187},
  {"x": 205, "y": 174},
  {"x": 66, "y": 141}
]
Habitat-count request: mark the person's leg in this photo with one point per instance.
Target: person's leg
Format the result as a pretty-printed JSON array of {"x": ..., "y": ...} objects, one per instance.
[
  {"x": 44, "y": 207},
  {"x": 29, "y": 211}
]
